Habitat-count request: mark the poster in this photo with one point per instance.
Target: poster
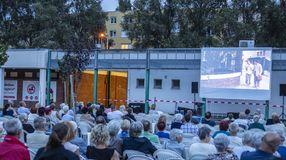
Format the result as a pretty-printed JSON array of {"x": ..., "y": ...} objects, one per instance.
[
  {"x": 31, "y": 90},
  {"x": 10, "y": 90}
]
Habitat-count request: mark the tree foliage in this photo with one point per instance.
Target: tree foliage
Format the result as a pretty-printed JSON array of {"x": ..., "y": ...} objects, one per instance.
[
  {"x": 124, "y": 5},
  {"x": 3, "y": 55},
  {"x": 199, "y": 23}
]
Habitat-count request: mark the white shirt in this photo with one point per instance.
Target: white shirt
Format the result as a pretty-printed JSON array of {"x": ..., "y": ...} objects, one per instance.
[
  {"x": 71, "y": 147},
  {"x": 37, "y": 140},
  {"x": 239, "y": 149},
  {"x": 234, "y": 141},
  {"x": 53, "y": 117},
  {"x": 199, "y": 151},
  {"x": 22, "y": 110},
  {"x": 67, "y": 117},
  {"x": 31, "y": 118},
  {"x": 243, "y": 122},
  {"x": 114, "y": 115}
]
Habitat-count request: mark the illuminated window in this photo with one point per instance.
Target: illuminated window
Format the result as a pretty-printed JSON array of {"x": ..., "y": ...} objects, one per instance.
[{"x": 125, "y": 46}]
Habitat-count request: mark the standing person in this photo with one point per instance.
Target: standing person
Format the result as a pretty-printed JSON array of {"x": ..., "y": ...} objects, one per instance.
[
  {"x": 54, "y": 148},
  {"x": 12, "y": 148},
  {"x": 248, "y": 72},
  {"x": 257, "y": 74}
]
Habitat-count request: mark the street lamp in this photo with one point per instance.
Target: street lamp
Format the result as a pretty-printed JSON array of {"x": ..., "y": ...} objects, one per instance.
[{"x": 102, "y": 35}]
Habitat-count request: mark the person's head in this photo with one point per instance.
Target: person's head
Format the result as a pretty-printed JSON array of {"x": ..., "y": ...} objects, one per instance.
[
  {"x": 221, "y": 142},
  {"x": 71, "y": 131},
  {"x": 146, "y": 125},
  {"x": 247, "y": 139},
  {"x": 208, "y": 115},
  {"x": 41, "y": 111},
  {"x": 256, "y": 118},
  {"x": 204, "y": 134},
  {"x": 84, "y": 110},
  {"x": 223, "y": 125},
  {"x": 233, "y": 129},
  {"x": 242, "y": 115},
  {"x": 23, "y": 118},
  {"x": 129, "y": 110},
  {"x": 270, "y": 142},
  {"x": 22, "y": 103},
  {"x": 257, "y": 139},
  {"x": 40, "y": 123},
  {"x": 13, "y": 127},
  {"x": 58, "y": 135},
  {"x": 48, "y": 111},
  {"x": 230, "y": 116},
  {"x": 100, "y": 135},
  {"x": 53, "y": 106},
  {"x": 112, "y": 108},
  {"x": 65, "y": 109},
  {"x": 161, "y": 126},
  {"x": 135, "y": 129},
  {"x": 275, "y": 118},
  {"x": 113, "y": 128},
  {"x": 162, "y": 118},
  {"x": 125, "y": 125},
  {"x": 178, "y": 118},
  {"x": 188, "y": 117},
  {"x": 33, "y": 110},
  {"x": 100, "y": 120},
  {"x": 122, "y": 108},
  {"x": 258, "y": 111},
  {"x": 7, "y": 105},
  {"x": 247, "y": 111},
  {"x": 176, "y": 135}
]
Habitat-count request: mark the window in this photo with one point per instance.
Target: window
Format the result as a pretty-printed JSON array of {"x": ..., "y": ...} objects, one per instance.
[
  {"x": 112, "y": 33},
  {"x": 175, "y": 84},
  {"x": 140, "y": 83},
  {"x": 158, "y": 83},
  {"x": 126, "y": 46},
  {"x": 124, "y": 34},
  {"x": 14, "y": 74},
  {"x": 28, "y": 74},
  {"x": 112, "y": 19}
]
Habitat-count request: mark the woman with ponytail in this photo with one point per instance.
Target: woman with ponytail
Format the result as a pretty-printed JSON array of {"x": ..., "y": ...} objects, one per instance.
[{"x": 54, "y": 148}]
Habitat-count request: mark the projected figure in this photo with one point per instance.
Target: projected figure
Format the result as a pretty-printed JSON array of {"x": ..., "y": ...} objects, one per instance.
[
  {"x": 248, "y": 72},
  {"x": 257, "y": 73}
]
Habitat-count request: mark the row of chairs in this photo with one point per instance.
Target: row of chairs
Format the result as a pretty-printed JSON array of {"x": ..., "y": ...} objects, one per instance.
[{"x": 160, "y": 154}]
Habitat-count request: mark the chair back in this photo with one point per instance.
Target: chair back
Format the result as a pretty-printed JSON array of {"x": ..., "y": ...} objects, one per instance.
[
  {"x": 140, "y": 157},
  {"x": 164, "y": 154},
  {"x": 130, "y": 153}
]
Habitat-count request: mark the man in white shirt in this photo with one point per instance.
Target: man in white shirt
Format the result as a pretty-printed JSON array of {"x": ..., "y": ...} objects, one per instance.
[
  {"x": 247, "y": 141},
  {"x": 38, "y": 139},
  {"x": 242, "y": 121},
  {"x": 233, "y": 138},
  {"x": 67, "y": 116},
  {"x": 23, "y": 109},
  {"x": 114, "y": 114}
]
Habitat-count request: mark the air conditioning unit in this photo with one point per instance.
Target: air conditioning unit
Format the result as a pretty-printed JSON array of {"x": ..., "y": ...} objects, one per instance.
[{"x": 246, "y": 43}]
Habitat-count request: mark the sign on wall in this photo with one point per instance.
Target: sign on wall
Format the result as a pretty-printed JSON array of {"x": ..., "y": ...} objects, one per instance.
[
  {"x": 10, "y": 89},
  {"x": 31, "y": 90}
]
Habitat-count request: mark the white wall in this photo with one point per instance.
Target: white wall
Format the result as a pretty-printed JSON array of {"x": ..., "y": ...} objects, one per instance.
[{"x": 184, "y": 94}]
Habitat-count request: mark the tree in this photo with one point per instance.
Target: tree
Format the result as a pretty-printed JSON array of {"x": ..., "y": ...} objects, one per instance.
[
  {"x": 124, "y": 5},
  {"x": 3, "y": 55}
]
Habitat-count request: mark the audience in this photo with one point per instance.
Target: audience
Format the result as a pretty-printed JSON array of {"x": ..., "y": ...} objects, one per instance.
[
  {"x": 100, "y": 120},
  {"x": 247, "y": 144},
  {"x": 125, "y": 125},
  {"x": 256, "y": 123},
  {"x": 233, "y": 138},
  {"x": 223, "y": 127},
  {"x": 100, "y": 137},
  {"x": 269, "y": 145},
  {"x": 22, "y": 108},
  {"x": 32, "y": 115},
  {"x": 27, "y": 128},
  {"x": 177, "y": 123},
  {"x": 86, "y": 116},
  {"x": 201, "y": 150},
  {"x": 229, "y": 118},
  {"x": 38, "y": 139},
  {"x": 148, "y": 133},
  {"x": 162, "y": 133},
  {"x": 242, "y": 121},
  {"x": 67, "y": 116},
  {"x": 275, "y": 119},
  {"x": 175, "y": 143},
  {"x": 135, "y": 142},
  {"x": 77, "y": 140},
  {"x": 208, "y": 120},
  {"x": 189, "y": 126},
  {"x": 221, "y": 143},
  {"x": 130, "y": 114},
  {"x": 54, "y": 148},
  {"x": 114, "y": 142},
  {"x": 12, "y": 148}
]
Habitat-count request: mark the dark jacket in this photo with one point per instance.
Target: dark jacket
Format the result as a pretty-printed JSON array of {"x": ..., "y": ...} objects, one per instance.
[
  {"x": 59, "y": 153},
  {"x": 141, "y": 144}
]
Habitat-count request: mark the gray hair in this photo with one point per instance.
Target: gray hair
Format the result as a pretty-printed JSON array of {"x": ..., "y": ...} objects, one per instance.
[
  {"x": 99, "y": 135},
  {"x": 257, "y": 139},
  {"x": 135, "y": 129},
  {"x": 13, "y": 127},
  {"x": 256, "y": 118},
  {"x": 221, "y": 142},
  {"x": 40, "y": 123},
  {"x": 247, "y": 139},
  {"x": 178, "y": 117},
  {"x": 242, "y": 115},
  {"x": 204, "y": 132},
  {"x": 233, "y": 128},
  {"x": 23, "y": 117},
  {"x": 174, "y": 133},
  {"x": 125, "y": 125},
  {"x": 113, "y": 128}
]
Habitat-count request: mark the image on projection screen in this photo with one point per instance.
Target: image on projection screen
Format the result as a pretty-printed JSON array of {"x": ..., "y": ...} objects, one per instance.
[{"x": 236, "y": 73}]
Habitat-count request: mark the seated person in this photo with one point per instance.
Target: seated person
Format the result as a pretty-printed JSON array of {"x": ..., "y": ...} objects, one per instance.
[
  {"x": 162, "y": 133},
  {"x": 177, "y": 123},
  {"x": 189, "y": 126},
  {"x": 115, "y": 142},
  {"x": 130, "y": 115},
  {"x": 26, "y": 126},
  {"x": 147, "y": 132},
  {"x": 242, "y": 121},
  {"x": 86, "y": 116},
  {"x": 175, "y": 143},
  {"x": 247, "y": 144},
  {"x": 134, "y": 142},
  {"x": 100, "y": 137},
  {"x": 275, "y": 119},
  {"x": 38, "y": 139},
  {"x": 223, "y": 127},
  {"x": 201, "y": 150},
  {"x": 256, "y": 123},
  {"x": 9, "y": 111},
  {"x": 269, "y": 145},
  {"x": 208, "y": 120},
  {"x": 233, "y": 138},
  {"x": 125, "y": 125}
]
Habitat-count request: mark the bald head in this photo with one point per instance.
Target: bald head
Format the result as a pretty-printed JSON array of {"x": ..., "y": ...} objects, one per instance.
[{"x": 270, "y": 142}]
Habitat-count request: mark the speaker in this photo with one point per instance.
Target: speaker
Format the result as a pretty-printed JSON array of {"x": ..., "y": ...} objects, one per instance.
[
  {"x": 282, "y": 89},
  {"x": 195, "y": 88}
]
